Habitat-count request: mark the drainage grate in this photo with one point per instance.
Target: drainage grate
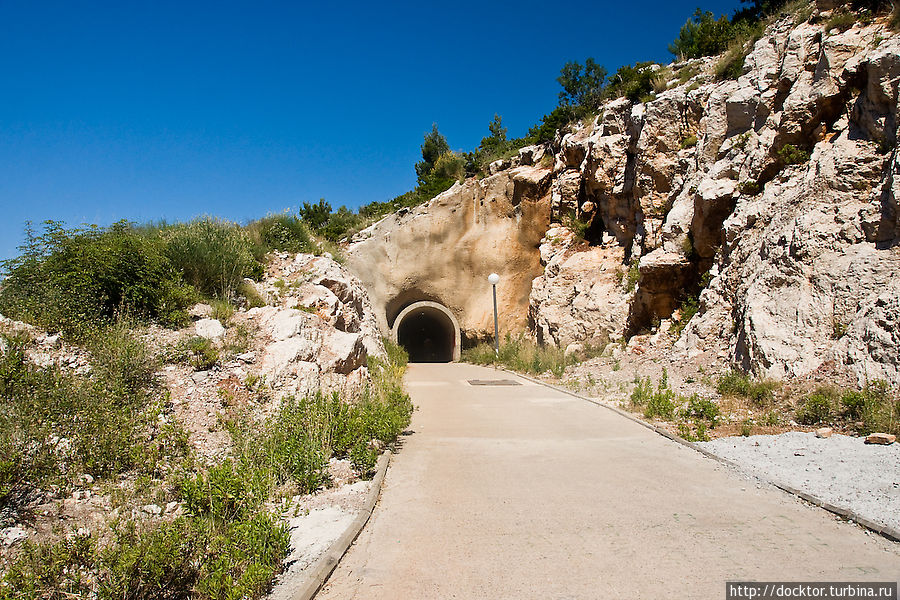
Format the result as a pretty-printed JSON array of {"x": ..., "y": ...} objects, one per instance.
[{"x": 493, "y": 382}]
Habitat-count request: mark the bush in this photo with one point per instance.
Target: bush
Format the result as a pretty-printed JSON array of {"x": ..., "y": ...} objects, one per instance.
[
  {"x": 791, "y": 155},
  {"x": 634, "y": 82},
  {"x": 55, "y": 425},
  {"x": 703, "y": 35},
  {"x": 750, "y": 188},
  {"x": 283, "y": 232},
  {"x": 689, "y": 142},
  {"x": 817, "y": 408},
  {"x": 200, "y": 353},
  {"x": 212, "y": 255},
  {"x": 873, "y": 407},
  {"x": 739, "y": 384},
  {"x": 701, "y": 409},
  {"x": 558, "y": 118},
  {"x": 73, "y": 280}
]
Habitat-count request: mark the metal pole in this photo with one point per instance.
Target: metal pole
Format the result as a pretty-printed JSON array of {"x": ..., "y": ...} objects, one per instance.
[{"x": 496, "y": 328}]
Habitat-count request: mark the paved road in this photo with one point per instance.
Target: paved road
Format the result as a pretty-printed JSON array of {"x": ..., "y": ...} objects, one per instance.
[{"x": 525, "y": 492}]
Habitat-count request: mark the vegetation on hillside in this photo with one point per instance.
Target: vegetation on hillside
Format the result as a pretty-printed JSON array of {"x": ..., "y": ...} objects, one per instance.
[
  {"x": 106, "y": 424},
  {"x": 56, "y": 426}
]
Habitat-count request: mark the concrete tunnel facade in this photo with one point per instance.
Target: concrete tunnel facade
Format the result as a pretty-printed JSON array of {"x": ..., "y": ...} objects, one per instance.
[
  {"x": 426, "y": 268},
  {"x": 429, "y": 332}
]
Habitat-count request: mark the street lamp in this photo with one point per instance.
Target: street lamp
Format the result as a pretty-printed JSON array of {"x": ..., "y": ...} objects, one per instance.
[{"x": 494, "y": 279}]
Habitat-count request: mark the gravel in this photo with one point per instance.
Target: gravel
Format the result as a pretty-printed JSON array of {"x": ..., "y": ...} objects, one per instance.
[{"x": 840, "y": 470}]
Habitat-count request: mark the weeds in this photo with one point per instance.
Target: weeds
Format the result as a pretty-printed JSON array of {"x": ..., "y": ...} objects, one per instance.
[
  {"x": 55, "y": 425},
  {"x": 519, "y": 353},
  {"x": 227, "y": 545},
  {"x": 658, "y": 403},
  {"x": 212, "y": 255},
  {"x": 740, "y": 385},
  {"x": 689, "y": 142},
  {"x": 633, "y": 275},
  {"x": 791, "y": 155},
  {"x": 199, "y": 352},
  {"x": 818, "y": 407}
]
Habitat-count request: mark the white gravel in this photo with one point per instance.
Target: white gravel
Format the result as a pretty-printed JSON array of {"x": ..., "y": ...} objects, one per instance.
[{"x": 840, "y": 470}]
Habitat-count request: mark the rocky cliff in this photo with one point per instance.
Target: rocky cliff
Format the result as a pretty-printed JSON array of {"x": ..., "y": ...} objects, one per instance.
[{"x": 772, "y": 200}]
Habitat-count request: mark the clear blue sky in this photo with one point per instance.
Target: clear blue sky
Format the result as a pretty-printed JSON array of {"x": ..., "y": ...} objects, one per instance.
[{"x": 170, "y": 110}]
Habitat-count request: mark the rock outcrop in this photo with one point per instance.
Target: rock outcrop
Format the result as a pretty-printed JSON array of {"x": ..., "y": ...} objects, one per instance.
[
  {"x": 773, "y": 197},
  {"x": 444, "y": 250}
]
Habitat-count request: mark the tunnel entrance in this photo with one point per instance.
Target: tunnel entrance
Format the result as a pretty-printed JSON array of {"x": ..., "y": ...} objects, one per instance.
[{"x": 428, "y": 331}]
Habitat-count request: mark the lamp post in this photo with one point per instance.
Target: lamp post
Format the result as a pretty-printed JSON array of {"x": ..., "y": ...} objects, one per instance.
[{"x": 494, "y": 279}]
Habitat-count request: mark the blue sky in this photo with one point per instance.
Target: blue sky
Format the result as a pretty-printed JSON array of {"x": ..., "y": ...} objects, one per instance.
[{"x": 170, "y": 110}]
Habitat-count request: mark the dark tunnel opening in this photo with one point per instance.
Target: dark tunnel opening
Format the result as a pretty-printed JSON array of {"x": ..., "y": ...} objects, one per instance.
[{"x": 427, "y": 335}]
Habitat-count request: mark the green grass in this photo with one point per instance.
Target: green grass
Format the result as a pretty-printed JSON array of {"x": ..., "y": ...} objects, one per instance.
[
  {"x": 520, "y": 353},
  {"x": 735, "y": 383},
  {"x": 228, "y": 545},
  {"x": 212, "y": 255},
  {"x": 55, "y": 425}
]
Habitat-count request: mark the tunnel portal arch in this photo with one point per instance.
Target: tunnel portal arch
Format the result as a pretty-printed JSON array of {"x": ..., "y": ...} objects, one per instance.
[{"x": 428, "y": 331}]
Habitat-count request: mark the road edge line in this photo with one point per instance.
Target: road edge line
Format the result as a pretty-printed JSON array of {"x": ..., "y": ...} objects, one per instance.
[{"x": 882, "y": 530}]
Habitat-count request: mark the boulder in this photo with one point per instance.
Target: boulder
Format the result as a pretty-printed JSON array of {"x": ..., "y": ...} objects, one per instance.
[{"x": 210, "y": 329}]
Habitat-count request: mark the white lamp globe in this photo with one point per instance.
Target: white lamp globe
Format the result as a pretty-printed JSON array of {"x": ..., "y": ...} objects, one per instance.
[{"x": 493, "y": 279}]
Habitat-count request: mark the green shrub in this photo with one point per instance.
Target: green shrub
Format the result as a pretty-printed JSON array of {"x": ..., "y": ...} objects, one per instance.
[
  {"x": 817, "y": 408},
  {"x": 558, "y": 118},
  {"x": 701, "y": 409},
  {"x": 73, "y": 280},
  {"x": 55, "y": 571},
  {"x": 750, "y": 188},
  {"x": 874, "y": 407},
  {"x": 661, "y": 404},
  {"x": 791, "y": 155},
  {"x": 735, "y": 383},
  {"x": 283, "y": 232},
  {"x": 703, "y": 35},
  {"x": 186, "y": 558},
  {"x": 656, "y": 403},
  {"x": 55, "y": 425},
  {"x": 634, "y": 82},
  {"x": 212, "y": 255},
  {"x": 689, "y": 142},
  {"x": 642, "y": 392},
  {"x": 200, "y": 352},
  {"x": 633, "y": 275}
]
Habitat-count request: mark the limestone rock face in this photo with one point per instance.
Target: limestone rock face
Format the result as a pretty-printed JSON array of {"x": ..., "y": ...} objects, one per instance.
[
  {"x": 579, "y": 296},
  {"x": 320, "y": 329},
  {"x": 444, "y": 250},
  {"x": 772, "y": 200}
]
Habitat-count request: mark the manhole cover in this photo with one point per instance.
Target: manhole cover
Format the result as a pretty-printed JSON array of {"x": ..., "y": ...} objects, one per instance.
[{"x": 493, "y": 382}]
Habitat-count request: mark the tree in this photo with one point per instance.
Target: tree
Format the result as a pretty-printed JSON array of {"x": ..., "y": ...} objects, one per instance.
[
  {"x": 434, "y": 146},
  {"x": 497, "y": 139},
  {"x": 703, "y": 35},
  {"x": 582, "y": 86},
  {"x": 316, "y": 215}
]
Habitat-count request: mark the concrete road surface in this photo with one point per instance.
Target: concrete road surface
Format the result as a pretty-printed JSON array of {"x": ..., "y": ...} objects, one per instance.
[{"x": 525, "y": 492}]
